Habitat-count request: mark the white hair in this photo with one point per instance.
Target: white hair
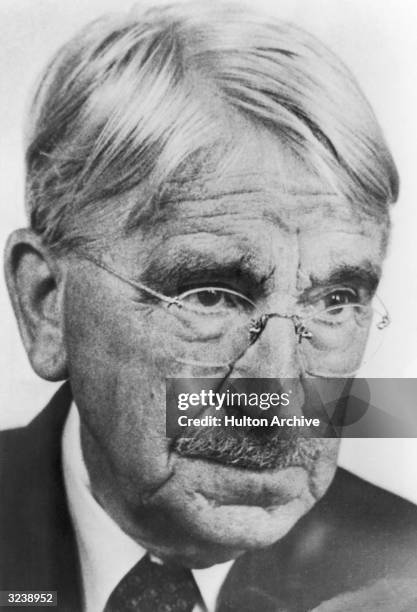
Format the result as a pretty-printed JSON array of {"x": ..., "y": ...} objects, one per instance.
[{"x": 132, "y": 98}]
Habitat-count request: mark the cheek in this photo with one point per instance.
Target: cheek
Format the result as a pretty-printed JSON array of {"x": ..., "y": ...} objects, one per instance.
[
  {"x": 108, "y": 333},
  {"x": 117, "y": 372}
]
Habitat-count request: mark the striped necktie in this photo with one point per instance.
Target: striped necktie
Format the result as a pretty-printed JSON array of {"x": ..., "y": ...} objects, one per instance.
[{"x": 152, "y": 587}]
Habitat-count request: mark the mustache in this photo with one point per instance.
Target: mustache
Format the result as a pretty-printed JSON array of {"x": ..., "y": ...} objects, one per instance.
[{"x": 251, "y": 448}]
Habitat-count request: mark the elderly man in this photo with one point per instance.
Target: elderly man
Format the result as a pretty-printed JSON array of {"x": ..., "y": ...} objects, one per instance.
[{"x": 190, "y": 170}]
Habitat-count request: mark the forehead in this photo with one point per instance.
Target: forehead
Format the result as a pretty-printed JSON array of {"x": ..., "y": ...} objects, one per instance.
[
  {"x": 257, "y": 204},
  {"x": 260, "y": 177}
]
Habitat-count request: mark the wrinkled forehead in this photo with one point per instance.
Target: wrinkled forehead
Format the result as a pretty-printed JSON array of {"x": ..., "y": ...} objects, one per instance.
[
  {"x": 256, "y": 210},
  {"x": 259, "y": 212},
  {"x": 262, "y": 177},
  {"x": 294, "y": 206}
]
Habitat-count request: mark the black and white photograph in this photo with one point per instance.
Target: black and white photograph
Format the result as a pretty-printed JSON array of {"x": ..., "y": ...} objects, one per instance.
[{"x": 208, "y": 219}]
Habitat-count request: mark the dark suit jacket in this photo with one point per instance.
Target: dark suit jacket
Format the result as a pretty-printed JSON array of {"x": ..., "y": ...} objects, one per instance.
[{"x": 356, "y": 535}]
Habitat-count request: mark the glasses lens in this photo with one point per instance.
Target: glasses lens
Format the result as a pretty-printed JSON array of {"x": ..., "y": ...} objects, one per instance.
[
  {"x": 210, "y": 341},
  {"x": 343, "y": 339},
  {"x": 338, "y": 340},
  {"x": 334, "y": 346}
]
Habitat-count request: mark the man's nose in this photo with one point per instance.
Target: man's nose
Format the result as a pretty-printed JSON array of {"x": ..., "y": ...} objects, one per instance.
[{"x": 274, "y": 353}]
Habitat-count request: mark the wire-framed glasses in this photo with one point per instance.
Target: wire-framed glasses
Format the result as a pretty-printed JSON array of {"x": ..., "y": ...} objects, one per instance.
[{"x": 213, "y": 327}]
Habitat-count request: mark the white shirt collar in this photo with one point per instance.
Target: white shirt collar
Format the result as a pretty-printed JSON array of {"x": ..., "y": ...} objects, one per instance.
[{"x": 106, "y": 552}]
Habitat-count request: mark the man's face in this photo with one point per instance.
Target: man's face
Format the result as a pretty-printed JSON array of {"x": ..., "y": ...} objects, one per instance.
[{"x": 264, "y": 227}]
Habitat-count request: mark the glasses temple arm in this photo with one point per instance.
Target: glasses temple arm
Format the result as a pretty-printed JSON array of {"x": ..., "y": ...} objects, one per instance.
[{"x": 171, "y": 301}]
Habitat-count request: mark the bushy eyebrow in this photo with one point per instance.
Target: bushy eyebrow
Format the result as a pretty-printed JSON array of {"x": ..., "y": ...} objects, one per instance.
[
  {"x": 183, "y": 268},
  {"x": 365, "y": 274}
]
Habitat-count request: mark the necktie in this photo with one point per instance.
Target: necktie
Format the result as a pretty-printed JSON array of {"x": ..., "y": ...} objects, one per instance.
[{"x": 151, "y": 587}]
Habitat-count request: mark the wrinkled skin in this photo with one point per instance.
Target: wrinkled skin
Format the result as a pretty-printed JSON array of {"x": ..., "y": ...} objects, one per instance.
[{"x": 120, "y": 351}]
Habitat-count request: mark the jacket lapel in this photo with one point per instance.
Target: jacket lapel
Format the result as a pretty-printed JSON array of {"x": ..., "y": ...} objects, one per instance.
[{"x": 37, "y": 541}]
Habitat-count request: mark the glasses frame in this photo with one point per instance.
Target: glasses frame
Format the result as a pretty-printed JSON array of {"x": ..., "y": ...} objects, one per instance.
[{"x": 256, "y": 326}]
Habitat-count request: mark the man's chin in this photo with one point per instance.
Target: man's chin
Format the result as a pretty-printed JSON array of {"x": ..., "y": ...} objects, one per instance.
[
  {"x": 220, "y": 511},
  {"x": 233, "y": 531}
]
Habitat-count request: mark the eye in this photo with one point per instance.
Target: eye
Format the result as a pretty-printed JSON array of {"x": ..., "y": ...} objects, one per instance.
[
  {"x": 339, "y": 298},
  {"x": 340, "y": 306},
  {"x": 215, "y": 300}
]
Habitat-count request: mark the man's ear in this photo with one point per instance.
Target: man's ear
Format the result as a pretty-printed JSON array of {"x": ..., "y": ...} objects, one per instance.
[{"x": 36, "y": 290}]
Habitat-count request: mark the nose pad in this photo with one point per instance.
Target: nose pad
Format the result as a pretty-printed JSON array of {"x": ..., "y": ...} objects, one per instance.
[
  {"x": 273, "y": 350},
  {"x": 258, "y": 325},
  {"x": 274, "y": 354}
]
